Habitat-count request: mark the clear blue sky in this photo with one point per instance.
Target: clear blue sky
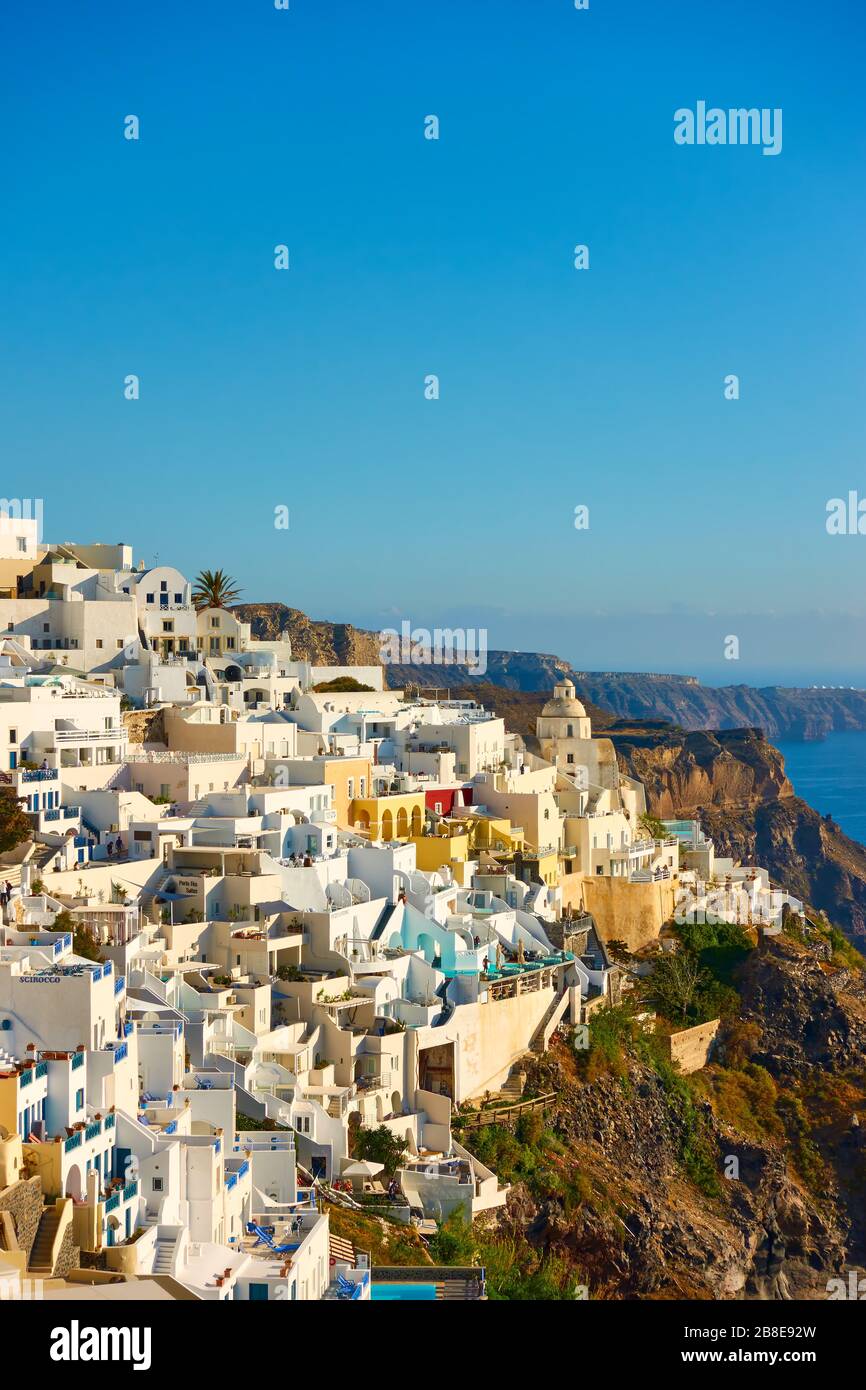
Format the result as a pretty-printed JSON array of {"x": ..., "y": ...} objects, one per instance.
[{"x": 409, "y": 257}]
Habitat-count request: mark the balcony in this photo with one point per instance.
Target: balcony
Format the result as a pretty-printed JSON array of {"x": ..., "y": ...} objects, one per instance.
[
  {"x": 378, "y": 1081},
  {"x": 115, "y": 734}
]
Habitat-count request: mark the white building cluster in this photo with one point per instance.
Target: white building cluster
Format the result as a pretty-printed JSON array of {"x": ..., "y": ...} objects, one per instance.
[{"x": 257, "y": 917}]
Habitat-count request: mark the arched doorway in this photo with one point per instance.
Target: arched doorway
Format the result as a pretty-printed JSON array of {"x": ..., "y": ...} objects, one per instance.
[
  {"x": 74, "y": 1186},
  {"x": 416, "y": 820},
  {"x": 402, "y": 823},
  {"x": 387, "y": 826}
]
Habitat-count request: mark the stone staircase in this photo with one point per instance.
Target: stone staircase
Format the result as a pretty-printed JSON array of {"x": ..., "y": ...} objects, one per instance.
[
  {"x": 512, "y": 1086},
  {"x": 41, "y": 1261}
]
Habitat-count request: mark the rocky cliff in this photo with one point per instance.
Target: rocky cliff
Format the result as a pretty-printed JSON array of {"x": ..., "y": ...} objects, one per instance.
[
  {"x": 742, "y": 1181},
  {"x": 781, "y": 712},
  {"x": 321, "y": 643},
  {"x": 686, "y": 772}
]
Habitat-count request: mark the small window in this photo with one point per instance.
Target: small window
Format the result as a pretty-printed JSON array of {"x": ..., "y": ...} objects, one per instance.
[
  {"x": 46, "y": 627},
  {"x": 79, "y": 1100},
  {"x": 120, "y": 644},
  {"x": 168, "y": 626},
  {"x": 149, "y": 598},
  {"x": 99, "y": 642},
  {"x": 178, "y": 598},
  {"x": 22, "y": 545},
  {"x": 13, "y": 735},
  {"x": 157, "y": 1184},
  {"x": 163, "y": 585}
]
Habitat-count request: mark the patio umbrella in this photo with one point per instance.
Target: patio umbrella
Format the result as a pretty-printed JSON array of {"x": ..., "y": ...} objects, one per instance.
[{"x": 362, "y": 1168}]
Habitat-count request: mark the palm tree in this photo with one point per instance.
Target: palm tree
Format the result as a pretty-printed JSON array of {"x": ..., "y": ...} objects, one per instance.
[{"x": 214, "y": 589}]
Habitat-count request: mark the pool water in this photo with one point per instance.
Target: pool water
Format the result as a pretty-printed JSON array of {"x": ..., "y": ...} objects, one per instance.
[{"x": 408, "y": 1293}]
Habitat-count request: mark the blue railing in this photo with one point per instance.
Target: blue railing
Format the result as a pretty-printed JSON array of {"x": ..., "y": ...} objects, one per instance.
[
  {"x": 24, "y": 1078},
  {"x": 119, "y": 983},
  {"x": 73, "y": 1142},
  {"x": 120, "y": 1052},
  {"x": 170, "y": 1128},
  {"x": 128, "y": 1027},
  {"x": 92, "y": 1131},
  {"x": 41, "y": 1069},
  {"x": 113, "y": 1202},
  {"x": 109, "y": 1122},
  {"x": 130, "y": 1191},
  {"x": 77, "y": 1060}
]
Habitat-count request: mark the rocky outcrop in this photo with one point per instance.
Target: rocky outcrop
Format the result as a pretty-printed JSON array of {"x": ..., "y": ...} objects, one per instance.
[
  {"x": 643, "y": 1230},
  {"x": 683, "y": 772},
  {"x": 145, "y": 725},
  {"x": 530, "y": 671},
  {"x": 810, "y": 1013},
  {"x": 320, "y": 643},
  {"x": 781, "y": 712}
]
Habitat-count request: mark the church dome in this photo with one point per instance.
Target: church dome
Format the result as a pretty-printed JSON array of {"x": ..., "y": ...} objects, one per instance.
[{"x": 565, "y": 704}]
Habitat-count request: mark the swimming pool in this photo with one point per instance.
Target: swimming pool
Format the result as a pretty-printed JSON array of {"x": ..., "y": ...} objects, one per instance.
[{"x": 403, "y": 1293}]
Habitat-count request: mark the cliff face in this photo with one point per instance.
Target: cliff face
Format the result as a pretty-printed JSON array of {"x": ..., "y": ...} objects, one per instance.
[
  {"x": 321, "y": 643},
  {"x": 530, "y": 671},
  {"x": 773, "y": 1209},
  {"x": 684, "y": 772},
  {"x": 781, "y": 712}
]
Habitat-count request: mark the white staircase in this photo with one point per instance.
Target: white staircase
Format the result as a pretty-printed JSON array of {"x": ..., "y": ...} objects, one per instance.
[
  {"x": 163, "y": 1258},
  {"x": 165, "y": 1249}
]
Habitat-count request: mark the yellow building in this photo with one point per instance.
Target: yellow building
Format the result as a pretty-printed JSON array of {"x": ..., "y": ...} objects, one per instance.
[
  {"x": 350, "y": 779},
  {"x": 388, "y": 817},
  {"x": 448, "y": 848},
  {"x": 494, "y": 833}
]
